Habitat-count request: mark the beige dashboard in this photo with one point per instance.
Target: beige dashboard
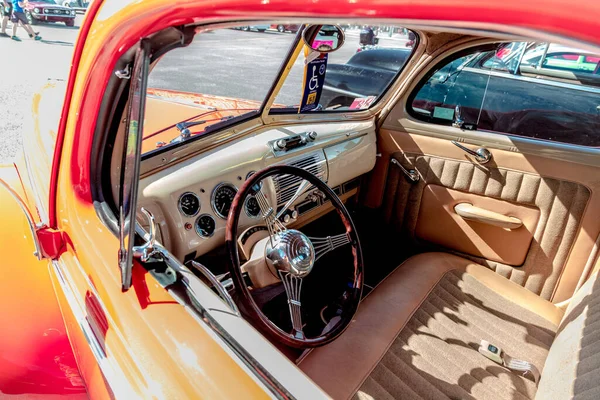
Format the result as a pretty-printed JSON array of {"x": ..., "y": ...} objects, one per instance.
[{"x": 186, "y": 196}]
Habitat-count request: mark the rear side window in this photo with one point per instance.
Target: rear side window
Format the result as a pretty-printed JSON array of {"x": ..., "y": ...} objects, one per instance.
[{"x": 537, "y": 90}]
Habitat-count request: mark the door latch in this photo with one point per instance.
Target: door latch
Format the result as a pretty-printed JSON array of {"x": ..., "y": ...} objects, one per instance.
[
  {"x": 481, "y": 155},
  {"x": 412, "y": 175}
]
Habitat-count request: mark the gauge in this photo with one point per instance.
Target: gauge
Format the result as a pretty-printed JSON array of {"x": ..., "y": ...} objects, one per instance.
[
  {"x": 252, "y": 207},
  {"x": 222, "y": 198},
  {"x": 248, "y": 176},
  {"x": 205, "y": 225},
  {"x": 189, "y": 204}
]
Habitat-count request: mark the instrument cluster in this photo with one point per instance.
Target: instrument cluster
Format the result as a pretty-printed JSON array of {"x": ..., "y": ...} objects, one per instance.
[{"x": 221, "y": 199}]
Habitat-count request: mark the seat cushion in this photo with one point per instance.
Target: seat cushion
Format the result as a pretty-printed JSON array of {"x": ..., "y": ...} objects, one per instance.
[
  {"x": 417, "y": 334},
  {"x": 572, "y": 369}
]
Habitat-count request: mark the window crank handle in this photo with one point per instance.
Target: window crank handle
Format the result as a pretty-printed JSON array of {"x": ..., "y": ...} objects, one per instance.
[{"x": 481, "y": 155}]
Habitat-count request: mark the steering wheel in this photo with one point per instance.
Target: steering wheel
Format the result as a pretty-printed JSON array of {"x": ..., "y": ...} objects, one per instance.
[{"x": 290, "y": 256}]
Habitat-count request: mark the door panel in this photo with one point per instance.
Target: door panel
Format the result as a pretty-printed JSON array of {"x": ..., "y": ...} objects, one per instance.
[
  {"x": 439, "y": 223},
  {"x": 565, "y": 194}
]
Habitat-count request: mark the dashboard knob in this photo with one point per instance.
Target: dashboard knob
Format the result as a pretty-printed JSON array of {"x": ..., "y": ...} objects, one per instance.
[
  {"x": 287, "y": 218},
  {"x": 280, "y": 144},
  {"x": 294, "y": 214},
  {"x": 312, "y": 136}
]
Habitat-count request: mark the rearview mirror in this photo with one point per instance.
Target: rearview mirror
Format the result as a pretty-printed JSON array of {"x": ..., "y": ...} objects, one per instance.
[{"x": 323, "y": 38}]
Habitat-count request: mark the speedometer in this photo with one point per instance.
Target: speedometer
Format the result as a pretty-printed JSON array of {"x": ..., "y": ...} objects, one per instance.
[
  {"x": 189, "y": 204},
  {"x": 222, "y": 198}
]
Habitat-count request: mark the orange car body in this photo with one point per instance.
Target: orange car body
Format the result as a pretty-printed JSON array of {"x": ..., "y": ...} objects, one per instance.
[{"x": 67, "y": 326}]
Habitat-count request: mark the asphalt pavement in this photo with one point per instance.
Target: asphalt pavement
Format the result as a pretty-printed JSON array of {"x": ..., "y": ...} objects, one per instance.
[
  {"x": 25, "y": 67},
  {"x": 225, "y": 62}
]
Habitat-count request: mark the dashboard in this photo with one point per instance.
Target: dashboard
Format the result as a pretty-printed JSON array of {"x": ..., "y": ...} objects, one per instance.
[{"x": 191, "y": 199}]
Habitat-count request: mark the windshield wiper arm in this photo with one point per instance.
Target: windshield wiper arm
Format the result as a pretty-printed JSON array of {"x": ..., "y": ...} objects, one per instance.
[
  {"x": 183, "y": 127},
  {"x": 190, "y": 120}
]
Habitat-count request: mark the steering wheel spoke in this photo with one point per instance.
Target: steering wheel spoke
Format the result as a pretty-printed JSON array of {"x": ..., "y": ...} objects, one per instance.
[
  {"x": 324, "y": 245},
  {"x": 268, "y": 213},
  {"x": 293, "y": 287}
]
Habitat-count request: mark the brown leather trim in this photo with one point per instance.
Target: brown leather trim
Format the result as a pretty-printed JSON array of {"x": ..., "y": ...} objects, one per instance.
[
  {"x": 439, "y": 223},
  {"x": 391, "y": 141},
  {"x": 341, "y": 367}
]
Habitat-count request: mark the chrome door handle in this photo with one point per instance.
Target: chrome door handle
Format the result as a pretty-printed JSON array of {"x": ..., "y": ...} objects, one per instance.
[
  {"x": 481, "y": 155},
  {"x": 147, "y": 250}
]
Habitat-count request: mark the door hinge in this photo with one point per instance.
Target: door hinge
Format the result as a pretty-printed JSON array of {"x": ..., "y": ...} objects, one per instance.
[{"x": 51, "y": 243}]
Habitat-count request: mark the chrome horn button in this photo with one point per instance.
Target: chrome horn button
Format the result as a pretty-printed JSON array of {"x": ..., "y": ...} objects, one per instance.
[{"x": 291, "y": 251}]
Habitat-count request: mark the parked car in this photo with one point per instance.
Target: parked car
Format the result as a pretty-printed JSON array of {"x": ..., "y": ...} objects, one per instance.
[
  {"x": 49, "y": 11},
  {"x": 497, "y": 102},
  {"x": 259, "y": 28},
  {"x": 78, "y": 5},
  {"x": 170, "y": 231},
  {"x": 286, "y": 27}
]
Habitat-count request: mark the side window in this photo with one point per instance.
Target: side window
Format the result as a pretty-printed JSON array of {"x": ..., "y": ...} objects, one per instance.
[{"x": 509, "y": 91}]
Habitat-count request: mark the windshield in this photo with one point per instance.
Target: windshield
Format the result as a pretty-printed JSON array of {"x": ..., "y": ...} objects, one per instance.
[{"x": 225, "y": 76}]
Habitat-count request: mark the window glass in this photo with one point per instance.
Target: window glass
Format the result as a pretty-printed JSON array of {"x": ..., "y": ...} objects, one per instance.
[
  {"x": 542, "y": 106},
  {"x": 356, "y": 75},
  {"x": 223, "y": 75}
]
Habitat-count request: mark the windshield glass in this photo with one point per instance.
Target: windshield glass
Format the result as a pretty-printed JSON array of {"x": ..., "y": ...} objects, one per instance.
[
  {"x": 354, "y": 77},
  {"x": 224, "y": 75}
]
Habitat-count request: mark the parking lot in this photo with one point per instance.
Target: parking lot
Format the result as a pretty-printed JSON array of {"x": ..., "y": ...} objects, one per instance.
[{"x": 227, "y": 62}]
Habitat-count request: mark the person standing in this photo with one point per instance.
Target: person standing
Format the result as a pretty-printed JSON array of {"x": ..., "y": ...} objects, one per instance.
[
  {"x": 19, "y": 17},
  {"x": 7, "y": 9}
]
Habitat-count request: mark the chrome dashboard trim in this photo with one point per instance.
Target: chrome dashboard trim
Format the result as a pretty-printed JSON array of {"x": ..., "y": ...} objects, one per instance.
[
  {"x": 181, "y": 209},
  {"x": 214, "y": 192}
]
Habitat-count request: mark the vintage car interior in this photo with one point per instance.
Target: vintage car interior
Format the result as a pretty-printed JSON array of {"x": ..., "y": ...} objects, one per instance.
[{"x": 438, "y": 240}]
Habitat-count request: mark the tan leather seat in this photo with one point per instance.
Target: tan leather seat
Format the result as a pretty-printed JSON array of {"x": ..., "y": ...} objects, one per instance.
[{"x": 417, "y": 334}]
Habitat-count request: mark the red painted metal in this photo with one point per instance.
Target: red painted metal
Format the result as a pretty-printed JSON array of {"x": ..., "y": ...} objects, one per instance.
[
  {"x": 576, "y": 21},
  {"x": 83, "y": 32},
  {"x": 52, "y": 243}
]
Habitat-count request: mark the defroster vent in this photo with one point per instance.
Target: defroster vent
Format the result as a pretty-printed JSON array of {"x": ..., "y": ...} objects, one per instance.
[{"x": 286, "y": 185}]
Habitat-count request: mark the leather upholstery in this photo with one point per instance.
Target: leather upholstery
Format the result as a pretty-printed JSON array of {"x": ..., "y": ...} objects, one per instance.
[
  {"x": 561, "y": 205},
  {"x": 439, "y": 223},
  {"x": 342, "y": 367},
  {"x": 572, "y": 369}
]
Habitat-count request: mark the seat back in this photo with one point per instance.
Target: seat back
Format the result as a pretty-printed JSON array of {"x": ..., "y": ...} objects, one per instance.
[{"x": 572, "y": 369}]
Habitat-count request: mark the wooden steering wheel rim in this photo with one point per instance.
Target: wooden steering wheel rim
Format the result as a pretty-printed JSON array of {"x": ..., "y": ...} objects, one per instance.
[{"x": 352, "y": 295}]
